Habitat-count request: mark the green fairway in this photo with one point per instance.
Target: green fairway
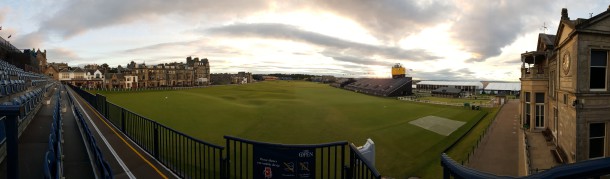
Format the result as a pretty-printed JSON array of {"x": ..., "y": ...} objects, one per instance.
[{"x": 296, "y": 112}]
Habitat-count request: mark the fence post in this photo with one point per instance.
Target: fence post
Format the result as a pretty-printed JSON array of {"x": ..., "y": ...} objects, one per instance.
[
  {"x": 223, "y": 167},
  {"x": 123, "y": 120},
  {"x": 351, "y": 163},
  {"x": 446, "y": 172},
  {"x": 156, "y": 141},
  {"x": 347, "y": 172}
]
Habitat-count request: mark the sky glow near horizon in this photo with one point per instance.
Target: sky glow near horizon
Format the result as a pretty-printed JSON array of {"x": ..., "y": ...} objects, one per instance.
[{"x": 437, "y": 40}]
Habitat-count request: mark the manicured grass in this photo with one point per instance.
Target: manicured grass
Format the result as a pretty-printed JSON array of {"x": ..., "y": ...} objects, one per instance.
[
  {"x": 295, "y": 112},
  {"x": 460, "y": 151}
]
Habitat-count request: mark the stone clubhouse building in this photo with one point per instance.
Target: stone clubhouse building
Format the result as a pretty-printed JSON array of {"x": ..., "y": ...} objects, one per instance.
[{"x": 565, "y": 93}]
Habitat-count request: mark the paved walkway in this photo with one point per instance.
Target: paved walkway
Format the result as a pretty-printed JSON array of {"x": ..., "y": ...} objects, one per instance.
[
  {"x": 498, "y": 152},
  {"x": 540, "y": 152}
]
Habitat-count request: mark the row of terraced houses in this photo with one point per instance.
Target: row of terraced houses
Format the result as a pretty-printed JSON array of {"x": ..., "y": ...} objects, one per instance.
[{"x": 195, "y": 72}]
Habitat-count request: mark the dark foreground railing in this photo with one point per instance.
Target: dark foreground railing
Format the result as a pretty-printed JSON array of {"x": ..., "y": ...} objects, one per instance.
[
  {"x": 189, "y": 157},
  {"x": 252, "y": 159},
  {"x": 586, "y": 169},
  {"x": 361, "y": 168}
]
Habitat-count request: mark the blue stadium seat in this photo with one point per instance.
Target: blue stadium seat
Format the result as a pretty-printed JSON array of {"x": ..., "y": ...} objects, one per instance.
[
  {"x": 49, "y": 165},
  {"x": 51, "y": 144},
  {"x": 3, "y": 89},
  {"x": 7, "y": 85},
  {"x": 107, "y": 170},
  {"x": 25, "y": 102}
]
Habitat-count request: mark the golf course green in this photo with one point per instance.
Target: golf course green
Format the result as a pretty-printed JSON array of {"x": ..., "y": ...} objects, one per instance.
[{"x": 299, "y": 112}]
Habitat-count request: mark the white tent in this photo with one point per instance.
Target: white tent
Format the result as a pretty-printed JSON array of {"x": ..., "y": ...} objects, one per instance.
[
  {"x": 479, "y": 85},
  {"x": 503, "y": 87}
]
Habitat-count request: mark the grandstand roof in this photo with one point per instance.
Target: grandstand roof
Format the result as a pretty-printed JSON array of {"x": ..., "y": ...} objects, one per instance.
[
  {"x": 452, "y": 83},
  {"x": 504, "y": 86}
]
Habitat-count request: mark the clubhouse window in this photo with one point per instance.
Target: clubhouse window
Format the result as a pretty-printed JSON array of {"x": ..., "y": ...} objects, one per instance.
[
  {"x": 539, "y": 97},
  {"x": 597, "y": 78},
  {"x": 539, "y": 110},
  {"x": 527, "y": 108},
  {"x": 597, "y": 137}
]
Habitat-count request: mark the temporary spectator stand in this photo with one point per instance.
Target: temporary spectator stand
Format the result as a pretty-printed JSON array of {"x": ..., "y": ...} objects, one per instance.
[{"x": 53, "y": 166}]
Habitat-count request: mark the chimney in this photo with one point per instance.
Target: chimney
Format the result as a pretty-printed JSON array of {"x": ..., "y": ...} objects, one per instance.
[{"x": 564, "y": 14}]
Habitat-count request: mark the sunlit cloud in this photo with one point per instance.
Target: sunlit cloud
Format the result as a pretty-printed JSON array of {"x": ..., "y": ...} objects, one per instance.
[{"x": 436, "y": 39}]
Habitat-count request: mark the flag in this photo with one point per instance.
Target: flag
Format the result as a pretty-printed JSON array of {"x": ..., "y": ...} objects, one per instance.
[{"x": 9, "y": 36}]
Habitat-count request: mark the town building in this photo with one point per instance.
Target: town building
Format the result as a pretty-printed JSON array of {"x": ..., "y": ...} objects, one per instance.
[
  {"x": 227, "y": 78},
  {"x": 564, "y": 87},
  {"x": 194, "y": 72}
]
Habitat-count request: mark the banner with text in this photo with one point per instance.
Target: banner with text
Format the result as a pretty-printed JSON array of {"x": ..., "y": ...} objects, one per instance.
[{"x": 282, "y": 162}]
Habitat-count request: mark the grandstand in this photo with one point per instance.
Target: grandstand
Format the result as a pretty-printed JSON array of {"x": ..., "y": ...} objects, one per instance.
[
  {"x": 340, "y": 83},
  {"x": 382, "y": 87},
  {"x": 21, "y": 98},
  {"x": 398, "y": 85}
]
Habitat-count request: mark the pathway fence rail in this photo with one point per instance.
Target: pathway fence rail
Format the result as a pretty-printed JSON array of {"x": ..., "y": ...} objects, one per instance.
[{"x": 415, "y": 99}]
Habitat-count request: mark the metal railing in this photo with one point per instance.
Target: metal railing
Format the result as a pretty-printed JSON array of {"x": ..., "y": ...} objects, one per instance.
[
  {"x": 415, "y": 99},
  {"x": 359, "y": 166},
  {"x": 252, "y": 159},
  {"x": 186, "y": 156},
  {"x": 189, "y": 157}
]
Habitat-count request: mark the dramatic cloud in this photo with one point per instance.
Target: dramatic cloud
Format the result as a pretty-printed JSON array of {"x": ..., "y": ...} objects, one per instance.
[
  {"x": 160, "y": 46},
  {"x": 80, "y": 16},
  {"x": 77, "y": 17},
  {"x": 356, "y": 60},
  {"x": 3, "y": 12},
  {"x": 194, "y": 48},
  {"x": 63, "y": 53},
  {"x": 28, "y": 40},
  {"x": 338, "y": 46},
  {"x": 484, "y": 27},
  {"x": 343, "y": 35},
  {"x": 390, "y": 20},
  {"x": 448, "y": 74}
]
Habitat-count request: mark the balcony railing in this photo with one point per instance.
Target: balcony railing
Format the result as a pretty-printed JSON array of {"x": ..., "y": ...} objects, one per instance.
[{"x": 534, "y": 73}]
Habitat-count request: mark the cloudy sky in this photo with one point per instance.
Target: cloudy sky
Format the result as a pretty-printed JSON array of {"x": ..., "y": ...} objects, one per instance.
[{"x": 444, "y": 39}]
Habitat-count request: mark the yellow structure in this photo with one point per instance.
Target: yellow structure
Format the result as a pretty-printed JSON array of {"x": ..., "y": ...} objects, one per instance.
[{"x": 398, "y": 71}]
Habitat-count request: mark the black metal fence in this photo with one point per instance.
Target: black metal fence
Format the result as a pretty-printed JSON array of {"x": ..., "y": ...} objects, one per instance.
[
  {"x": 252, "y": 159},
  {"x": 188, "y": 157},
  {"x": 361, "y": 168}
]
